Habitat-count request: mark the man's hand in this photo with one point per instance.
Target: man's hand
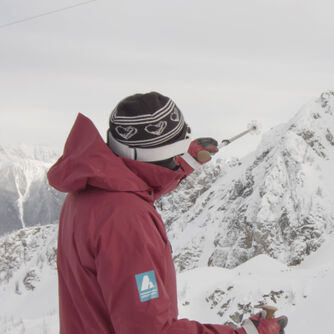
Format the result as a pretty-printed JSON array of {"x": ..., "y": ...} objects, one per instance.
[
  {"x": 202, "y": 148},
  {"x": 259, "y": 324}
]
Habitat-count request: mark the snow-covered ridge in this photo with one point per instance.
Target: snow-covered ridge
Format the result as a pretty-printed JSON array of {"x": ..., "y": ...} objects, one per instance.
[{"x": 279, "y": 200}]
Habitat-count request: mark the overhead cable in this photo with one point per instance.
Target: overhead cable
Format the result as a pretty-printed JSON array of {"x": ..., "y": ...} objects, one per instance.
[{"x": 45, "y": 14}]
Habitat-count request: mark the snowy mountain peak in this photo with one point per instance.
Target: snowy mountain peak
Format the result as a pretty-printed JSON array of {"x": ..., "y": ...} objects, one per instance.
[
  {"x": 276, "y": 201},
  {"x": 313, "y": 123}
]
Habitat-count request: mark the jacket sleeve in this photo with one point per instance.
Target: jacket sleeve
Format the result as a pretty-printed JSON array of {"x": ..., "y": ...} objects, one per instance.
[{"x": 133, "y": 275}]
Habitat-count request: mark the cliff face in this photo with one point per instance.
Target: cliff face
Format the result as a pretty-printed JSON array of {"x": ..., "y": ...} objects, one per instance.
[
  {"x": 276, "y": 201},
  {"x": 26, "y": 199}
]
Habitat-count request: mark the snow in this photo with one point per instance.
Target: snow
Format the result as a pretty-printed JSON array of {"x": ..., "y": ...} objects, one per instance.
[
  {"x": 303, "y": 293},
  {"x": 28, "y": 281},
  {"x": 315, "y": 314},
  {"x": 34, "y": 312}
]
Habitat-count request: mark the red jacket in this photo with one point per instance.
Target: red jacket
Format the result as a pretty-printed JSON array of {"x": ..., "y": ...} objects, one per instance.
[{"x": 115, "y": 269}]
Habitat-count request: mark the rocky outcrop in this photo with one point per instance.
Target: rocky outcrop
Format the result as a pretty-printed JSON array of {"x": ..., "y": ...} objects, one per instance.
[{"x": 277, "y": 201}]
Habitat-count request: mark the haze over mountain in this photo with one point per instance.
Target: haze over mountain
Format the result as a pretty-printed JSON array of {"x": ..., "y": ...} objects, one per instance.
[{"x": 26, "y": 199}]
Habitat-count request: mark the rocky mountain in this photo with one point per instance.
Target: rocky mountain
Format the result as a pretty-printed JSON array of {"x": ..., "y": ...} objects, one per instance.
[
  {"x": 26, "y": 199},
  {"x": 279, "y": 200}
]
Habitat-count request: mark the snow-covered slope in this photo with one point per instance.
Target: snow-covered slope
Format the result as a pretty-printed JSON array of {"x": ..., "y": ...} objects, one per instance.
[
  {"x": 277, "y": 201},
  {"x": 28, "y": 281},
  {"x": 26, "y": 199},
  {"x": 302, "y": 292},
  {"x": 28, "y": 287}
]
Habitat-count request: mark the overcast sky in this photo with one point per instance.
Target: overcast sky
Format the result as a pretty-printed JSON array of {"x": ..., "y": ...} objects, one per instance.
[{"x": 224, "y": 63}]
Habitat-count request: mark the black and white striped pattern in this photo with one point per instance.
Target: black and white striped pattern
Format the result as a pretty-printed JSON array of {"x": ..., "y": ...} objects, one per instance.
[
  {"x": 148, "y": 130},
  {"x": 143, "y": 119}
]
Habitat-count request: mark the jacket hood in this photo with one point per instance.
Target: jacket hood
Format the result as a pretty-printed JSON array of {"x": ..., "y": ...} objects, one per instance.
[{"x": 88, "y": 161}]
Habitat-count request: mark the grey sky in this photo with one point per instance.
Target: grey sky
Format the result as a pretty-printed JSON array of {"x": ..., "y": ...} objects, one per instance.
[{"x": 223, "y": 62}]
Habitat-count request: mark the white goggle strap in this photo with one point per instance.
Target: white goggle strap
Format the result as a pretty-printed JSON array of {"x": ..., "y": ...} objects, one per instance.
[
  {"x": 249, "y": 327},
  {"x": 148, "y": 154},
  {"x": 191, "y": 161}
]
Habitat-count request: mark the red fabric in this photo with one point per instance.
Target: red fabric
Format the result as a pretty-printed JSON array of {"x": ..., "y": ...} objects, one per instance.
[
  {"x": 268, "y": 326},
  {"x": 240, "y": 331},
  {"x": 109, "y": 232}
]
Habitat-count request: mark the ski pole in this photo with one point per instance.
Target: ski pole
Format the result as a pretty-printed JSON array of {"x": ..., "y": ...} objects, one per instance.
[{"x": 253, "y": 127}]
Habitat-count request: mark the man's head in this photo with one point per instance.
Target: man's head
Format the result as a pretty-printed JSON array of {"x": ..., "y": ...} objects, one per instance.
[{"x": 148, "y": 127}]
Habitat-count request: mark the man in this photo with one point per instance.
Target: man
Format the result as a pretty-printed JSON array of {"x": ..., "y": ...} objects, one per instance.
[{"x": 115, "y": 268}]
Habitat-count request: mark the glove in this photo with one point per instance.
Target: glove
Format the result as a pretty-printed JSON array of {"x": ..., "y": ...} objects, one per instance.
[
  {"x": 259, "y": 324},
  {"x": 204, "y": 145}
]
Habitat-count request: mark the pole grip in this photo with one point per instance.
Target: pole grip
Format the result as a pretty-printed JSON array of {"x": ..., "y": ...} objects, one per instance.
[
  {"x": 270, "y": 311},
  {"x": 203, "y": 156}
]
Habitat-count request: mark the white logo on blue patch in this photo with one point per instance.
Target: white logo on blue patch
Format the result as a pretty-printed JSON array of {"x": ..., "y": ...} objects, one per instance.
[{"x": 147, "y": 286}]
